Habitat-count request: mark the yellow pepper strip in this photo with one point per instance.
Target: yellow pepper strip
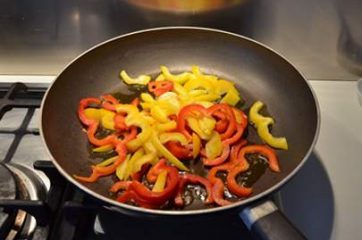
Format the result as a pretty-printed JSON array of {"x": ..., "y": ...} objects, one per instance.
[
  {"x": 237, "y": 116},
  {"x": 174, "y": 136},
  {"x": 167, "y": 154},
  {"x": 160, "y": 182},
  {"x": 205, "y": 104},
  {"x": 213, "y": 147},
  {"x": 146, "y": 97},
  {"x": 137, "y": 165},
  {"x": 121, "y": 169},
  {"x": 129, "y": 167},
  {"x": 262, "y": 125},
  {"x": 107, "y": 162},
  {"x": 179, "y": 89},
  {"x": 140, "y": 139},
  {"x": 197, "y": 83},
  {"x": 107, "y": 121},
  {"x": 195, "y": 126},
  {"x": 224, "y": 86},
  {"x": 93, "y": 113},
  {"x": 160, "y": 77},
  {"x": 207, "y": 124},
  {"x": 141, "y": 79},
  {"x": 102, "y": 115},
  {"x": 196, "y": 145},
  {"x": 159, "y": 114},
  {"x": 127, "y": 108},
  {"x": 207, "y": 97},
  {"x": 168, "y": 126},
  {"x": 104, "y": 148},
  {"x": 231, "y": 98},
  {"x": 180, "y": 78}
]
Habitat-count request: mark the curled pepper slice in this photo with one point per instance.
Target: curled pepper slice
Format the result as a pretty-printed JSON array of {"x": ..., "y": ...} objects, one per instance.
[
  {"x": 262, "y": 126},
  {"x": 158, "y": 198},
  {"x": 194, "y": 179},
  {"x": 160, "y": 87},
  {"x": 85, "y": 102}
]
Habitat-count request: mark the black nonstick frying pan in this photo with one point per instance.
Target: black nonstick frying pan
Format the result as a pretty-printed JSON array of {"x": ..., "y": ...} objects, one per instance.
[{"x": 258, "y": 71}]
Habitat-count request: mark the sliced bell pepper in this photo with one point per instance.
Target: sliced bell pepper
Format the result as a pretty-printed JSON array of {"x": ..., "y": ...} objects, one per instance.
[
  {"x": 233, "y": 186},
  {"x": 186, "y": 111},
  {"x": 178, "y": 150},
  {"x": 119, "y": 185},
  {"x": 158, "y": 198},
  {"x": 213, "y": 147},
  {"x": 110, "y": 139},
  {"x": 262, "y": 125},
  {"x": 180, "y": 78},
  {"x": 85, "y": 102},
  {"x": 102, "y": 149},
  {"x": 227, "y": 110},
  {"x": 141, "y": 79},
  {"x": 166, "y": 153},
  {"x": 219, "y": 160},
  {"x": 109, "y": 102},
  {"x": 263, "y": 150},
  {"x": 160, "y": 87},
  {"x": 231, "y": 98},
  {"x": 196, "y": 145},
  {"x": 193, "y": 179},
  {"x": 160, "y": 183},
  {"x": 107, "y": 162},
  {"x": 173, "y": 136}
]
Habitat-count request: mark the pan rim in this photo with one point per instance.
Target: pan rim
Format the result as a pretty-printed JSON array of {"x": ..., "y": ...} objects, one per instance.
[{"x": 116, "y": 205}]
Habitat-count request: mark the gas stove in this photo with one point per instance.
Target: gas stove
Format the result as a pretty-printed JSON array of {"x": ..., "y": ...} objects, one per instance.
[{"x": 38, "y": 203}]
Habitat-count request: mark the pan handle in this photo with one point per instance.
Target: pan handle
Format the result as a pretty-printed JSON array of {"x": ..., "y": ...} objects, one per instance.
[{"x": 266, "y": 222}]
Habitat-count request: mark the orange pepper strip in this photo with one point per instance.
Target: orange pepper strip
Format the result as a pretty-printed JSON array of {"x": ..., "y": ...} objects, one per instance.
[{"x": 111, "y": 139}]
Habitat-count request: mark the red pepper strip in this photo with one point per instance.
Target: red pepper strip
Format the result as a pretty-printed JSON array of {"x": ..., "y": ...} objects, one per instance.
[
  {"x": 138, "y": 175},
  {"x": 136, "y": 101},
  {"x": 160, "y": 87},
  {"x": 218, "y": 193},
  {"x": 194, "y": 179},
  {"x": 178, "y": 198},
  {"x": 187, "y": 111},
  {"x": 158, "y": 198},
  {"x": 119, "y": 122},
  {"x": 111, "y": 139},
  {"x": 130, "y": 195},
  {"x": 218, "y": 185},
  {"x": 233, "y": 186},
  {"x": 122, "y": 151},
  {"x": 92, "y": 178},
  {"x": 85, "y": 102},
  {"x": 235, "y": 149},
  {"x": 263, "y": 150},
  {"x": 109, "y": 102},
  {"x": 155, "y": 170},
  {"x": 222, "y": 158},
  {"x": 230, "y": 116},
  {"x": 179, "y": 151},
  {"x": 236, "y": 136},
  {"x": 221, "y": 125},
  {"x": 120, "y": 185}
]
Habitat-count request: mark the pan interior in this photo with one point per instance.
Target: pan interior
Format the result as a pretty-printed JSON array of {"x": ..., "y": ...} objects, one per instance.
[{"x": 259, "y": 74}]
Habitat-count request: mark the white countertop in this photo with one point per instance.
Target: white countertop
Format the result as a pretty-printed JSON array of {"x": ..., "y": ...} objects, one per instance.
[{"x": 338, "y": 155}]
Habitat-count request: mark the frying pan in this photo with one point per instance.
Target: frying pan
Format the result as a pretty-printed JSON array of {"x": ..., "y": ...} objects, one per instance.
[{"x": 258, "y": 72}]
